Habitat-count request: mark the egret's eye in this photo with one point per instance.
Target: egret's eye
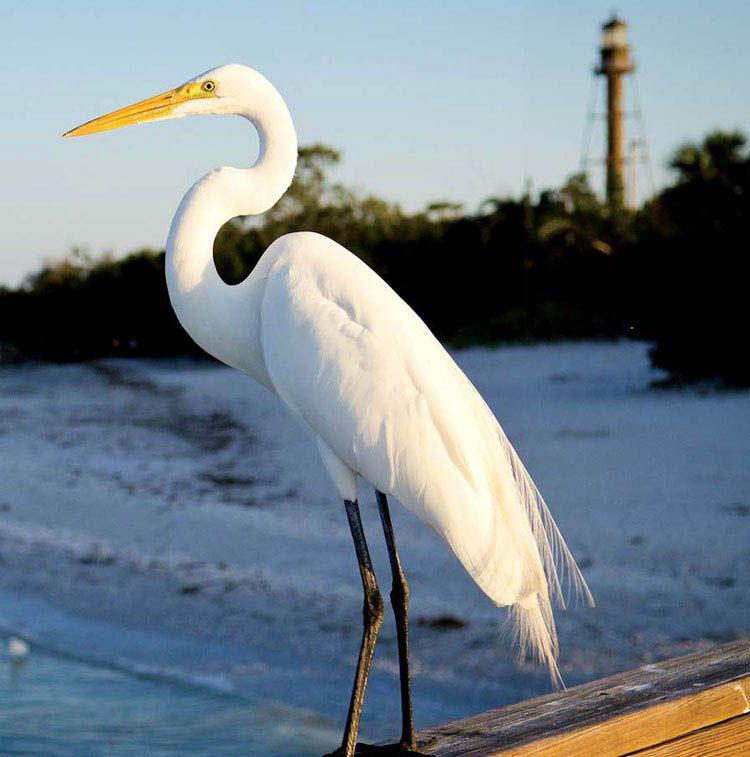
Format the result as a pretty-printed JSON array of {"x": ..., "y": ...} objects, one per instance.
[{"x": 209, "y": 86}]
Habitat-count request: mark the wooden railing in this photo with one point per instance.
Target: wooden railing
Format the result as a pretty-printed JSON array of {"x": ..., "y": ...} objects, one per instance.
[{"x": 693, "y": 705}]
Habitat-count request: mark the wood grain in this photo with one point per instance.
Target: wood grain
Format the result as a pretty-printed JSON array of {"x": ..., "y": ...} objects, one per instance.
[
  {"x": 622, "y": 714},
  {"x": 629, "y": 733},
  {"x": 722, "y": 740}
]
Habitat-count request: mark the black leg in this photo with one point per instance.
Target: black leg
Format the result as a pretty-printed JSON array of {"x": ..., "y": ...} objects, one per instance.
[
  {"x": 400, "y": 602},
  {"x": 373, "y": 620}
]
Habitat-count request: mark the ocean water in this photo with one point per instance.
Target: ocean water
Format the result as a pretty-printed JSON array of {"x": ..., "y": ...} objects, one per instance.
[{"x": 57, "y": 705}]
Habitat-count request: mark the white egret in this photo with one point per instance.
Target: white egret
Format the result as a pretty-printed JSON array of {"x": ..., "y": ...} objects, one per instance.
[{"x": 363, "y": 374}]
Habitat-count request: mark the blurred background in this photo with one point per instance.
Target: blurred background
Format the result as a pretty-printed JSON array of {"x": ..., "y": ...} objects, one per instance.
[{"x": 562, "y": 193}]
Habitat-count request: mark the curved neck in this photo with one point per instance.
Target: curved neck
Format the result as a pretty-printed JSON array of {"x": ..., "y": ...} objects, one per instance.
[{"x": 221, "y": 318}]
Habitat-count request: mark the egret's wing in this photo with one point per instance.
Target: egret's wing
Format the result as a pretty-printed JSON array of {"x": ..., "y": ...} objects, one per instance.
[
  {"x": 351, "y": 359},
  {"x": 355, "y": 363}
]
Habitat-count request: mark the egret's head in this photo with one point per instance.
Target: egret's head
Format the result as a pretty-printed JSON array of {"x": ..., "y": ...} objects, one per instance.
[{"x": 221, "y": 90}]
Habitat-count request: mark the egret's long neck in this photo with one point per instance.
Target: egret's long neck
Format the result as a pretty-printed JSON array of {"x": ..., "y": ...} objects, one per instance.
[{"x": 225, "y": 319}]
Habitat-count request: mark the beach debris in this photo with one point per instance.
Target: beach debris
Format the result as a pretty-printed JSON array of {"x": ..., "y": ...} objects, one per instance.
[
  {"x": 723, "y": 582},
  {"x": 442, "y": 622},
  {"x": 18, "y": 649},
  {"x": 737, "y": 508},
  {"x": 97, "y": 556}
]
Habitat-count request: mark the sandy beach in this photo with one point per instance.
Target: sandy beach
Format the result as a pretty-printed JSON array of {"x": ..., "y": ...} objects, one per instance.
[{"x": 168, "y": 519}]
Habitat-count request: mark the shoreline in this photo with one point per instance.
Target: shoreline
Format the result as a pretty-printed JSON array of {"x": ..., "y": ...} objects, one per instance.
[{"x": 177, "y": 500}]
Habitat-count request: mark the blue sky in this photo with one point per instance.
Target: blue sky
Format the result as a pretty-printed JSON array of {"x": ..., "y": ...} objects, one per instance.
[{"x": 427, "y": 100}]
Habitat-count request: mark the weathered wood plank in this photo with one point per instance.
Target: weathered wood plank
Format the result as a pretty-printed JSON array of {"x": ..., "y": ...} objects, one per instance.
[
  {"x": 612, "y": 716},
  {"x": 645, "y": 727},
  {"x": 727, "y": 738}
]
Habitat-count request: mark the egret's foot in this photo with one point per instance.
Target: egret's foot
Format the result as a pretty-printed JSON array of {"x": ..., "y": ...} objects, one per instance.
[{"x": 379, "y": 750}]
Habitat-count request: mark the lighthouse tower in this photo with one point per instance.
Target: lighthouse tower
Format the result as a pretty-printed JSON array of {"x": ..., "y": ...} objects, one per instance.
[{"x": 614, "y": 63}]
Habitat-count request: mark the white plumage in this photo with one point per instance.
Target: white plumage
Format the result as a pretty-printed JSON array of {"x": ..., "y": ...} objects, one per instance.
[
  {"x": 358, "y": 368},
  {"x": 385, "y": 401}
]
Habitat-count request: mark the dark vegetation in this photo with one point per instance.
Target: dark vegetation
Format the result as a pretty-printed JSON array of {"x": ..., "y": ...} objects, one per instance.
[{"x": 562, "y": 265}]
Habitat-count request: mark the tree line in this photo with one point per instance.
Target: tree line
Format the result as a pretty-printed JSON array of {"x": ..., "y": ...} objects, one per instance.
[{"x": 560, "y": 265}]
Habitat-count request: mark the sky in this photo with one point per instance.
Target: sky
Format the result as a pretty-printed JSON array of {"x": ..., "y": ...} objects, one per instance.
[{"x": 426, "y": 100}]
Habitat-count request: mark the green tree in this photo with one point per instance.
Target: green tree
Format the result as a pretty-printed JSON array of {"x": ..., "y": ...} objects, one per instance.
[{"x": 693, "y": 255}]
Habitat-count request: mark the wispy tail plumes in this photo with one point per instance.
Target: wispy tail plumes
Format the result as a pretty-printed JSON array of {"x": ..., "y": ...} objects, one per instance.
[
  {"x": 545, "y": 569},
  {"x": 531, "y": 619},
  {"x": 533, "y": 629}
]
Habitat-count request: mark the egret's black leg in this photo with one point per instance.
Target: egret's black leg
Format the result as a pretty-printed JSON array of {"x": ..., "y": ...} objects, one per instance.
[
  {"x": 373, "y": 620},
  {"x": 400, "y": 602}
]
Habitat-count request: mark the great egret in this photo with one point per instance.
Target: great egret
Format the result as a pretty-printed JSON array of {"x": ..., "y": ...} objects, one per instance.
[{"x": 364, "y": 375}]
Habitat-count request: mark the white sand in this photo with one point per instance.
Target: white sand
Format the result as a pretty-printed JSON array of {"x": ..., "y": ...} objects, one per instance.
[{"x": 169, "y": 517}]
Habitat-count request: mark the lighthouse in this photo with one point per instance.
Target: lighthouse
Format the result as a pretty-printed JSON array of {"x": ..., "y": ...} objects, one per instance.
[{"x": 614, "y": 63}]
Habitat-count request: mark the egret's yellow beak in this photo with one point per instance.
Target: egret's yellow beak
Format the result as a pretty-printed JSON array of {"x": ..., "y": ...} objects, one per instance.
[{"x": 153, "y": 109}]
